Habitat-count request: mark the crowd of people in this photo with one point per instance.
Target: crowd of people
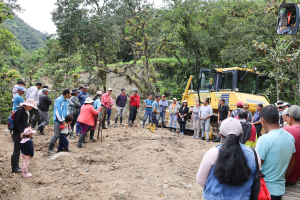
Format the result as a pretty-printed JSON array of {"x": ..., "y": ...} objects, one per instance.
[{"x": 228, "y": 171}]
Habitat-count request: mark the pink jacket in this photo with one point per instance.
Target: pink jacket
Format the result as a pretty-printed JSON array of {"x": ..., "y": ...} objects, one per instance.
[
  {"x": 87, "y": 114},
  {"x": 105, "y": 99},
  {"x": 110, "y": 103}
]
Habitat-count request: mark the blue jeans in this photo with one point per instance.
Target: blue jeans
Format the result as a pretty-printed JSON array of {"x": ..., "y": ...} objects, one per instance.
[
  {"x": 63, "y": 142},
  {"x": 108, "y": 114},
  {"x": 182, "y": 128},
  {"x": 78, "y": 127},
  {"x": 173, "y": 118},
  {"x": 148, "y": 113},
  {"x": 162, "y": 116}
]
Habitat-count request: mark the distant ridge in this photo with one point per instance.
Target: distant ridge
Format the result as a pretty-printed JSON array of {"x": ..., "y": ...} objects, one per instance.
[{"x": 30, "y": 38}]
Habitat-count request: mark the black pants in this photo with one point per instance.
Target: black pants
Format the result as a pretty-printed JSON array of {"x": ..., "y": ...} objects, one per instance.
[
  {"x": 74, "y": 120},
  {"x": 276, "y": 197},
  {"x": 34, "y": 119},
  {"x": 133, "y": 112},
  {"x": 258, "y": 128},
  {"x": 182, "y": 127},
  {"x": 17, "y": 140}
]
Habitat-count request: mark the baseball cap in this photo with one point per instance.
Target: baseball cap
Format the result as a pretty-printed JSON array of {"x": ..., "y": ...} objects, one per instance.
[
  {"x": 175, "y": 99},
  {"x": 240, "y": 103},
  {"x": 28, "y": 131},
  {"x": 109, "y": 89},
  {"x": 289, "y": 105},
  {"x": 135, "y": 90},
  {"x": 99, "y": 93},
  {"x": 222, "y": 100},
  {"x": 284, "y": 104},
  {"x": 45, "y": 90},
  {"x": 21, "y": 88},
  {"x": 231, "y": 126},
  {"x": 279, "y": 102},
  {"x": 294, "y": 111}
]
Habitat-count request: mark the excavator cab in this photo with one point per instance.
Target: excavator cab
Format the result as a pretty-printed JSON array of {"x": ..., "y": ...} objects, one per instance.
[{"x": 288, "y": 19}]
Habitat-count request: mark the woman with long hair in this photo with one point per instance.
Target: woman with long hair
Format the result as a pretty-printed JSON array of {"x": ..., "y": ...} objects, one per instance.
[
  {"x": 196, "y": 119},
  {"x": 227, "y": 171},
  {"x": 183, "y": 112}
]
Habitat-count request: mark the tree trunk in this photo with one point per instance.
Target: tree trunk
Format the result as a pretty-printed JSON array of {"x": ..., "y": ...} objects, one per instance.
[{"x": 277, "y": 81}]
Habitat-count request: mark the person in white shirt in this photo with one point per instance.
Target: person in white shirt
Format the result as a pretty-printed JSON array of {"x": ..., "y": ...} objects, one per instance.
[
  {"x": 32, "y": 93},
  {"x": 206, "y": 113}
]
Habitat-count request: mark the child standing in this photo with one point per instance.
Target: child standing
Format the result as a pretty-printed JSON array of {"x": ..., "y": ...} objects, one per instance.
[
  {"x": 27, "y": 151},
  {"x": 63, "y": 141}
]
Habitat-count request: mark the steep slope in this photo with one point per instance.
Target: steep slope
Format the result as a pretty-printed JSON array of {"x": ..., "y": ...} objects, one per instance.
[{"x": 29, "y": 37}]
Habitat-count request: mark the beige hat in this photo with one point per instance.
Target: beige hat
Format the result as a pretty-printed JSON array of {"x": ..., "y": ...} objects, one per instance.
[
  {"x": 175, "y": 99},
  {"x": 231, "y": 126},
  {"x": 294, "y": 111},
  {"x": 29, "y": 102},
  {"x": 88, "y": 100},
  {"x": 99, "y": 93},
  {"x": 285, "y": 112}
]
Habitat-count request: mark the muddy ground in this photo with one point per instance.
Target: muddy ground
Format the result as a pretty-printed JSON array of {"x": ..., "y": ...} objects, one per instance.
[{"x": 128, "y": 164}]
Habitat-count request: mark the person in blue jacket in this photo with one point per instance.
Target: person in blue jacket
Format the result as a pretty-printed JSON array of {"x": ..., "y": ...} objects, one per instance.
[{"x": 60, "y": 112}]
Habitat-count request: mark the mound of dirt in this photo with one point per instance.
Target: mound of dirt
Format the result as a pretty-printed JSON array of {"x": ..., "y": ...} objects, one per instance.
[{"x": 128, "y": 164}]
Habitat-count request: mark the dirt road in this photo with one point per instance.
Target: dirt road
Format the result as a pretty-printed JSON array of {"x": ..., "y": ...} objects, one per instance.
[{"x": 128, "y": 164}]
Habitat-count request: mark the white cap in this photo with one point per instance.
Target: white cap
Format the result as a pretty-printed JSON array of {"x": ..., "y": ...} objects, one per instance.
[
  {"x": 88, "y": 100},
  {"x": 185, "y": 101},
  {"x": 231, "y": 126},
  {"x": 109, "y": 89},
  {"x": 175, "y": 99}
]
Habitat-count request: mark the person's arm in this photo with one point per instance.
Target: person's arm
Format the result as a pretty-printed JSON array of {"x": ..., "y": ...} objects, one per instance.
[
  {"x": 18, "y": 117},
  {"x": 210, "y": 114},
  {"x": 186, "y": 111},
  {"x": 208, "y": 161},
  {"x": 117, "y": 100},
  {"x": 228, "y": 114},
  {"x": 218, "y": 117},
  {"x": 262, "y": 149},
  {"x": 49, "y": 102},
  {"x": 77, "y": 102},
  {"x": 291, "y": 166},
  {"x": 94, "y": 112}
]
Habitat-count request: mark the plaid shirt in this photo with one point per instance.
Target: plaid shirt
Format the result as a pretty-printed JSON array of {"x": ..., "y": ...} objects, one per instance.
[{"x": 74, "y": 105}]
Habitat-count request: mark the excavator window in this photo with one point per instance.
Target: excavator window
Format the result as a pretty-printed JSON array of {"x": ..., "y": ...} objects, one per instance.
[
  {"x": 207, "y": 81},
  {"x": 246, "y": 82},
  {"x": 288, "y": 21},
  {"x": 226, "y": 81}
]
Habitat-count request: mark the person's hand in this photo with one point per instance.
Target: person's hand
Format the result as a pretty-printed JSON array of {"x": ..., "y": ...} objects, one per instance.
[
  {"x": 218, "y": 122},
  {"x": 200, "y": 118},
  {"x": 21, "y": 135},
  {"x": 64, "y": 123},
  {"x": 192, "y": 117}
]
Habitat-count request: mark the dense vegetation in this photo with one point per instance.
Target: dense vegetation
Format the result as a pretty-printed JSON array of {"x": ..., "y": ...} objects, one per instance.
[{"x": 157, "y": 49}]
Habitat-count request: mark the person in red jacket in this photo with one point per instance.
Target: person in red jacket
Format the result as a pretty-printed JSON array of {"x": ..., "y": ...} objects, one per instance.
[
  {"x": 134, "y": 104},
  {"x": 86, "y": 119}
]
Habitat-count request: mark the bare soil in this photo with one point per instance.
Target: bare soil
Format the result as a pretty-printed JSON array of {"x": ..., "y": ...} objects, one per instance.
[{"x": 128, "y": 164}]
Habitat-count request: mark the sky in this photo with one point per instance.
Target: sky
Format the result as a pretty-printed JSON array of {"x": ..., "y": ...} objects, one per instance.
[{"x": 37, "y": 13}]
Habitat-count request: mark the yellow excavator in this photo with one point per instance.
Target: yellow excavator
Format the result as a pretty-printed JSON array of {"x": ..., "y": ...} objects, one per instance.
[{"x": 231, "y": 84}]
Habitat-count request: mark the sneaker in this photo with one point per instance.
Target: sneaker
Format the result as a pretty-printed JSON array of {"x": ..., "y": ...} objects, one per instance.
[
  {"x": 194, "y": 135},
  {"x": 207, "y": 140},
  {"x": 197, "y": 137},
  {"x": 203, "y": 138}
]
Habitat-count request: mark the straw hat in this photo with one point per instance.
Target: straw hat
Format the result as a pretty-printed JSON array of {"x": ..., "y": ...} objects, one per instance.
[{"x": 29, "y": 102}]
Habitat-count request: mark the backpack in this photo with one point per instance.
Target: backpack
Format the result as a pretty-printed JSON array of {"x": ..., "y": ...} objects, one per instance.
[
  {"x": 236, "y": 112},
  {"x": 11, "y": 119},
  {"x": 259, "y": 187}
]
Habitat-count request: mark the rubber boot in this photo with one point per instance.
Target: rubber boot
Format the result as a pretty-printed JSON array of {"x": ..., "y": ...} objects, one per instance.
[
  {"x": 39, "y": 129},
  {"x": 149, "y": 127},
  {"x": 50, "y": 149},
  {"x": 92, "y": 132},
  {"x": 121, "y": 119},
  {"x": 143, "y": 124},
  {"x": 153, "y": 129},
  {"x": 162, "y": 126},
  {"x": 116, "y": 120},
  {"x": 15, "y": 164},
  {"x": 72, "y": 136},
  {"x": 81, "y": 138},
  {"x": 25, "y": 173},
  {"x": 103, "y": 124},
  {"x": 108, "y": 123},
  {"x": 174, "y": 130},
  {"x": 170, "y": 129}
]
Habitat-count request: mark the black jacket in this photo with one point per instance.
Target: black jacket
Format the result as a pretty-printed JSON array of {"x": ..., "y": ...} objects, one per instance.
[
  {"x": 183, "y": 112},
  {"x": 21, "y": 120},
  {"x": 27, "y": 148},
  {"x": 44, "y": 103}
]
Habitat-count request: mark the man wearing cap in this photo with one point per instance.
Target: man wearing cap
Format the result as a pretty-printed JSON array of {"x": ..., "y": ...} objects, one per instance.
[
  {"x": 44, "y": 103},
  {"x": 40, "y": 93},
  {"x": 293, "y": 119},
  {"x": 276, "y": 150},
  {"x": 81, "y": 97},
  {"x": 278, "y": 105},
  {"x": 105, "y": 100},
  {"x": 205, "y": 114},
  {"x": 74, "y": 108},
  {"x": 223, "y": 113},
  {"x": 60, "y": 112},
  {"x": 148, "y": 109},
  {"x": 32, "y": 93},
  {"x": 173, "y": 111},
  {"x": 245, "y": 108},
  {"x": 134, "y": 104},
  {"x": 256, "y": 119},
  {"x": 282, "y": 108},
  {"x": 284, "y": 118},
  {"x": 121, "y": 103},
  {"x": 155, "y": 112},
  {"x": 163, "y": 104},
  {"x": 239, "y": 108},
  {"x": 15, "y": 89},
  {"x": 18, "y": 97}
]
